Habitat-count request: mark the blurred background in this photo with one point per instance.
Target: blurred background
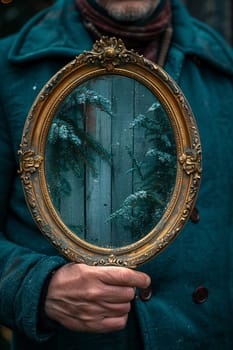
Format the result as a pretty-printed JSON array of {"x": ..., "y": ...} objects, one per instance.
[
  {"x": 14, "y": 13},
  {"x": 218, "y": 14}
]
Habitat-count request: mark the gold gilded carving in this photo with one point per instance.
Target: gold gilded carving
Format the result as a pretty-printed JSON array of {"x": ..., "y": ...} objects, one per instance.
[
  {"x": 191, "y": 159},
  {"x": 111, "y": 260},
  {"x": 29, "y": 162},
  {"x": 190, "y": 162},
  {"x": 109, "y": 53}
]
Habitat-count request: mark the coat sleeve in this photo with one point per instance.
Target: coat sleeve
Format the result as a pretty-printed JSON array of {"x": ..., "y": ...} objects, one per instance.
[{"x": 23, "y": 271}]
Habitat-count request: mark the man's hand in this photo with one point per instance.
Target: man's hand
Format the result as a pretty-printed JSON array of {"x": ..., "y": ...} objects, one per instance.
[{"x": 93, "y": 299}]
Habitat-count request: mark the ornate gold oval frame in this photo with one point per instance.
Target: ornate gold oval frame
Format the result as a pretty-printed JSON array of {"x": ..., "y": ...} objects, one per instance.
[{"x": 109, "y": 56}]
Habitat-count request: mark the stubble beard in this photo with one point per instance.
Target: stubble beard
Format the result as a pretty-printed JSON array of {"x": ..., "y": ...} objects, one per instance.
[{"x": 129, "y": 11}]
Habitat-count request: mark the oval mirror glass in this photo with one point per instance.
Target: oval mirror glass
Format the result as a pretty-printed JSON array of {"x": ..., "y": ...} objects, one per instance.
[
  {"x": 110, "y": 161},
  {"x": 110, "y": 158}
]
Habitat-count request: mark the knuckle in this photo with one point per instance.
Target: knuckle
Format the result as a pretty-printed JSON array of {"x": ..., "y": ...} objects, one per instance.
[{"x": 91, "y": 294}]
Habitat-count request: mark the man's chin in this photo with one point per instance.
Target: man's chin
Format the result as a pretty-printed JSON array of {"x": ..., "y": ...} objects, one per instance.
[
  {"x": 129, "y": 14},
  {"x": 129, "y": 11}
]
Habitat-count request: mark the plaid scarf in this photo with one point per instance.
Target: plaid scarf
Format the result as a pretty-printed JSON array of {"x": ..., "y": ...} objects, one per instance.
[{"x": 145, "y": 38}]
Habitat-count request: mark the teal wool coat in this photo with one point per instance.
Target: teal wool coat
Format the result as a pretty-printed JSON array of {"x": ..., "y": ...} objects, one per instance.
[{"x": 176, "y": 317}]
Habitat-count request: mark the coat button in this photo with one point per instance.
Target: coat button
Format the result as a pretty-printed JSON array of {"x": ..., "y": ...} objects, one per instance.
[
  {"x": 200, "y": 295},
  {"x": 145, "y": 294},
  {"x": 195, "y": 217}
]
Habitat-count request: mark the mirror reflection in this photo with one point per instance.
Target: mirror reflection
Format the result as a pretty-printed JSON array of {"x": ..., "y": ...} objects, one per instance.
[{"x": 110, "y": 161}]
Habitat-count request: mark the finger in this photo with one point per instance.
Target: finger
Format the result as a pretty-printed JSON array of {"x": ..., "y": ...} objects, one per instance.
[
  {"x": 111, "y": 275},
  {"x": 104, "y": 325},
  {"x": 116, "y": 310},
  {"x": 90, "y": 310},
  {"x": 109, "y": 293},
  {"x": 125, "y": 277},
  {"x": 96, "y": 313},
  {"x": 110, "y": 324}
]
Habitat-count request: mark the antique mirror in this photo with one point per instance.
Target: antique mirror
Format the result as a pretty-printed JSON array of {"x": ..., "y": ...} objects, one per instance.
[{"x": 110, "y": 158}]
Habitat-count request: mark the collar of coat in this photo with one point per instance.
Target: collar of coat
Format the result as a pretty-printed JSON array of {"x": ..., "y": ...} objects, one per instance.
[{"x": 58, "y": 31}]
